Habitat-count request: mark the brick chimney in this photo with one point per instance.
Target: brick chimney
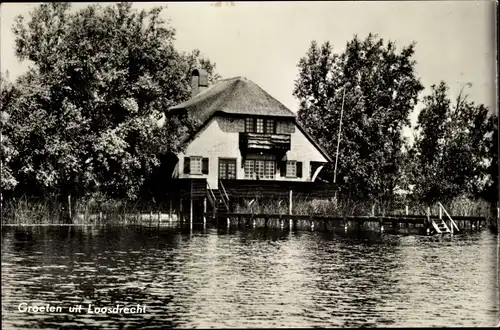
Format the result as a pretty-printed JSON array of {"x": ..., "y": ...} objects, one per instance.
[{"x": 199, "y": 81}]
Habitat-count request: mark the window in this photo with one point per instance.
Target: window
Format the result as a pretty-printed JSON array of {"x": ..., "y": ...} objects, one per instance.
[
  {"x": 195, "y": 167},
  {"x": 269, "y": 169},
  {"x": 291, "y": 169},
  {"x": 269, "y": 126},
  {"x": 227, "y": 169},
  {"x": 249, "y": 169},
  {"x": 260, "y": 169},
  {"x": 249, "y": 123},
  {"x": 260, "y": 125}
]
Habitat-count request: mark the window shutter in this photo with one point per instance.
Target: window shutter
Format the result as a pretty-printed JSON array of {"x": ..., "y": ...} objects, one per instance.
[
  {"x": 282, "y": 169},
  {"x": 299, "y": 169},
  {"x": 204, "y": 166},
  {"x": 187, "y": 165}
]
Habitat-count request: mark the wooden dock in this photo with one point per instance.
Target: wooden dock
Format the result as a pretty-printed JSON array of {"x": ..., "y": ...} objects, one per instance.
[{"x": 411, "y": 223}]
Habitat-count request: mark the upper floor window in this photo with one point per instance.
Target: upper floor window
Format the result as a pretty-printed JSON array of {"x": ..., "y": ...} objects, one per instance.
[{"x": 260, "y": 125}]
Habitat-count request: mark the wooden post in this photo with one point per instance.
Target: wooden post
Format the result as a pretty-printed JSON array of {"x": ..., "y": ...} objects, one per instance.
[
  {"x": 159, "y": 218},
  {"x": 69, "y": 207},
  {"x": 290, "y": 224},
  {"x": 290, "y": 205},
  {"x": 180, "y": 218},
  {"x": 440, "y": 213},
  {"x": 100, "y": 217},
  {"x": 191, "y": 210},
  {"x": 150, "y": 218},
  {"x": 204, "y": 210},
  {"x": 407, "y": 210},
  {"x": 170, "y": 210}
]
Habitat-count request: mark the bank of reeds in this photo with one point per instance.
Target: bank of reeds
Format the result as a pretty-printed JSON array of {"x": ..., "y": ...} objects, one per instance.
[{"x": 99, "y": 210}]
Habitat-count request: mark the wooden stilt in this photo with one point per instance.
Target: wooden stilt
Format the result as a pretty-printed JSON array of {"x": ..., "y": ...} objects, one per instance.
[
  {"x": 191, "y": 210},
  {"x": 204, "y": 210},
  {"x": 180, "y": 210},
  {"x": 170, "y": 209}
]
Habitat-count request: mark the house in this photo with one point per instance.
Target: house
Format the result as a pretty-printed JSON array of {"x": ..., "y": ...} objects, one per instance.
[{"x": 246, "y": 139}]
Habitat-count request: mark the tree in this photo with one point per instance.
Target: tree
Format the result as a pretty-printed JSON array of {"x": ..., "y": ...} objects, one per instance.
[
  {"x": 87, "y": 117},
  {"x": 381, "y": 89},
  {"x": 8, "y": 152},
  {"x": 452, "y": 151}
]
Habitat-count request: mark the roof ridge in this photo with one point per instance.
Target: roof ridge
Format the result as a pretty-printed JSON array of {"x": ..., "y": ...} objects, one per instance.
[{"x": 233, "y": 78}]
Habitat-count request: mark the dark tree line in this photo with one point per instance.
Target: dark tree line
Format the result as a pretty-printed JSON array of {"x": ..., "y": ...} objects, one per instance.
[{"x": 455, "y": 148}]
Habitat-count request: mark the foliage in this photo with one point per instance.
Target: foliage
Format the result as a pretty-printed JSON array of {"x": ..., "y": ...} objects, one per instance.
[
  {"x": 381, "y": 90},
  {"x": 8, "y": 152},
  {"x": 453, "y": 147},
  {"x": 86, "y": 118}
]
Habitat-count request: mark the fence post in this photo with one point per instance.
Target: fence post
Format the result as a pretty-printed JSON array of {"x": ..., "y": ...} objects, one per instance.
[{"x": 407, "y": 213}]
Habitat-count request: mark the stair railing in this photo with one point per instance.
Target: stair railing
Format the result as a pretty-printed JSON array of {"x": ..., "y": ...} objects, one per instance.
[
  {"x": 225, "y": 197},
  {"x": 211, "y": 196},
  {"x": 453, "y": 224}
]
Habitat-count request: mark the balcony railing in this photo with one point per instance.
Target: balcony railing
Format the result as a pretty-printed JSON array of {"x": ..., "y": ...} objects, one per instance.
[{"x": 258, "y": 141}]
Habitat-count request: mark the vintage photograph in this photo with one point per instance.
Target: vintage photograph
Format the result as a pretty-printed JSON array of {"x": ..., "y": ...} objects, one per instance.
[{"x": 312, "y": 164}]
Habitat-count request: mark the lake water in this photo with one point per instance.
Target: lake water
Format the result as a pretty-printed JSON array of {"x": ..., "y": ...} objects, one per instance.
[{"x": 246, "y": 278}]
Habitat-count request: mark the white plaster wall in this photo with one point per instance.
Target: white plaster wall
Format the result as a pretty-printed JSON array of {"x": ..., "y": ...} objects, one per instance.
[{"x": 214, "y": 142}]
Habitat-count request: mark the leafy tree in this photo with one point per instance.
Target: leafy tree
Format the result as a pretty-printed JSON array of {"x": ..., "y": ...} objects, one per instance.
[
  {"x": 8, "y": 152},
  {"x": 452, "y": 151},
  {"x": 381, "y": 89},
  {"x": 87, "y": 115}
]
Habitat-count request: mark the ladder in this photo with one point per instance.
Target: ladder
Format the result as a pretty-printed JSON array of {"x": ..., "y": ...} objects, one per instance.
[{"x": 440, "y": 225}]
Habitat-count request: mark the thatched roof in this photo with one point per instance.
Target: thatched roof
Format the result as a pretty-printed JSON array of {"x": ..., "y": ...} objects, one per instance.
[{"x": 234, "y": 96}]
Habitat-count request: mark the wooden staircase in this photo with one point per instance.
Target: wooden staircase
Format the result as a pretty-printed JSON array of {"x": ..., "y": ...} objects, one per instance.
[
  {"x": 218, "y": 198},
  {"x": 440, "y": 226}
]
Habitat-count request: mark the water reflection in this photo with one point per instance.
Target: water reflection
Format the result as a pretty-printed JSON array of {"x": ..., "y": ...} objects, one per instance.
[{"x": 229, "y": 277}]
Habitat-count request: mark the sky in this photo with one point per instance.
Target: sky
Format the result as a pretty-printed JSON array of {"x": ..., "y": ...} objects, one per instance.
[{"x": 263, "y": 41}]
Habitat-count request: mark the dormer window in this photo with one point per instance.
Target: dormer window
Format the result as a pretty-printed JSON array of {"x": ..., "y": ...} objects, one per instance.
[{"x": 260, "y": 125}]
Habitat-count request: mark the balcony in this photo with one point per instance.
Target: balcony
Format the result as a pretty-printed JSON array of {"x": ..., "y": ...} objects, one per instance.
[{"x": 262, "y": 142}]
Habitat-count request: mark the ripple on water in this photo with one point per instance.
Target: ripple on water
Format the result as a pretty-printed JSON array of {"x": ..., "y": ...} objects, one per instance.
[{"x": 250, "y": 278}]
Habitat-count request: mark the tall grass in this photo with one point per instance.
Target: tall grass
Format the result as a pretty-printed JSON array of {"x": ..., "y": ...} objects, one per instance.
[{"x": 101, "y": 210}]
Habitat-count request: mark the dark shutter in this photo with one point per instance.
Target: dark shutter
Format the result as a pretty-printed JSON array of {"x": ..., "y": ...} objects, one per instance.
[
  {"x": 187, "y": 165},
  {"x": 204, "y": 166},
  {"x": 299, "y": 169},
  {"x": 282, "y": 169}
]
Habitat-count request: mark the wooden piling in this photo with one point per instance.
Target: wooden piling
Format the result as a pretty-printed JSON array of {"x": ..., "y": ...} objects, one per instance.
[
  {"x": 191, "y": 210},
  {"x": 150, "y": 218},
  {"x": 170, "y": 209},
  {"x": 205, "y": 210},
  {"x": 180, "y": 217}
]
